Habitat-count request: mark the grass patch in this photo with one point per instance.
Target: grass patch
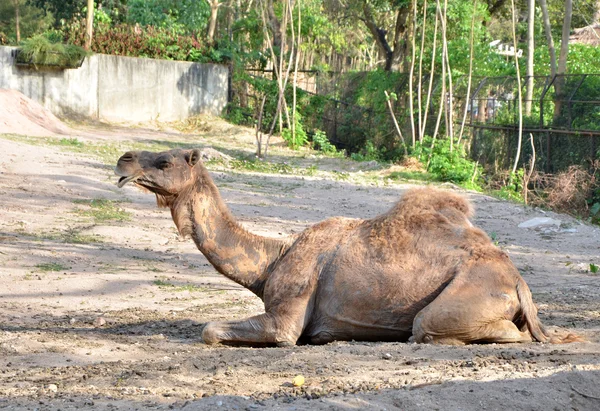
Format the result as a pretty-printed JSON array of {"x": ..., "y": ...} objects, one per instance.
[
  {"x": 411, "y": 175},
  {"x": 153, "y": 269},
  {"x": 40, "y": 50},
  {"x": 165, "y": 285},
  {"x": 102, "y": 210},
  {"x": 51, "y": 267},
  {"x": 70, "y": 236},
  {"x": 262, "y": 166},
  {"x": 70, "y": 142},
  {"x": 107, "y": 152}
]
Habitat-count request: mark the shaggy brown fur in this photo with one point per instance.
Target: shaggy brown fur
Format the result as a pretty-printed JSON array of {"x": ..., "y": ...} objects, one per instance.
[{"x": 419, "y": 271}]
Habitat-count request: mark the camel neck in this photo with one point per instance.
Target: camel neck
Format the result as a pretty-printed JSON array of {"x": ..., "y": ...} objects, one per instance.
[{"x": 235, "y": 252}]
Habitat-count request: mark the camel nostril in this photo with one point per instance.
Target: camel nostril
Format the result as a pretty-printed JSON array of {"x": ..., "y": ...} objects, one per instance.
[{"x": 127, "y": 157}]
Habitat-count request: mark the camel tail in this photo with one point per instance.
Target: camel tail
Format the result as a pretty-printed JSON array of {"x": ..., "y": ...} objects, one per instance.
[{"x": 535, "y": 326}]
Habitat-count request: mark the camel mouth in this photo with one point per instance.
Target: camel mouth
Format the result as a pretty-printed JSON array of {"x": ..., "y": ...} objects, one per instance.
[{"x": 126, "y": 179}]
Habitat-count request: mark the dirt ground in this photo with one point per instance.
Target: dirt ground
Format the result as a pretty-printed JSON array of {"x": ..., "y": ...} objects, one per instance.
[{"x": 107, "y": 313}]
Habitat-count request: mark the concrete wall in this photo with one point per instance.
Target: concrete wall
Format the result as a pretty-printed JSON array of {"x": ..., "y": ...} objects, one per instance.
[{"x": 121, "y": 89}]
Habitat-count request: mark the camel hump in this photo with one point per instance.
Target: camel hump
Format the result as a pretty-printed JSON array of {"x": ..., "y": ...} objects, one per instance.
[{"x": 416, "y": 200}]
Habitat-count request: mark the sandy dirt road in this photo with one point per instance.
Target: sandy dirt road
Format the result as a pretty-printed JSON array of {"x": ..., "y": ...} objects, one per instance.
[{"x": 106, "y": 313}]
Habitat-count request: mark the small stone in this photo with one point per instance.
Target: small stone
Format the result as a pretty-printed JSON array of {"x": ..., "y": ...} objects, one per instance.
[
  {"x": 540, "y": 221},
  {"x": 99, "y": 322},
  {"x": 387, "y": 356},
  {"x": 72, "y": 321},
  {"x": 52, "y": 387}
]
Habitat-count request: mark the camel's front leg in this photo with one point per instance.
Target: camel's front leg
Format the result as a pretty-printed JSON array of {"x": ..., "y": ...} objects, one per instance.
[{"x": 268, "y": 328}]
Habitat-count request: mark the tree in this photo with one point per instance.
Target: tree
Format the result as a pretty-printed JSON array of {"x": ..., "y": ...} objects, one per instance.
[
  {"x": 394, "y": 50},
  {"x": 89, "y": 24},
  {"x": 60, "y": 9},
  {"x": 530, "y": 51},
  {"x": 561, "y": 66},
  {"x": 31, "y": 20},
  {"x": 17, "y": 27},
  {"x": 214, "y": 11},
  {"x": 549, "y": 38}
]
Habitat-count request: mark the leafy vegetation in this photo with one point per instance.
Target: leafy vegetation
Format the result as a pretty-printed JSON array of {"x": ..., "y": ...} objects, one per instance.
[
  {"x": 348, "y": 57},
  {"x": 445, "y": 164},
  {"x": 41, "y": 50}
]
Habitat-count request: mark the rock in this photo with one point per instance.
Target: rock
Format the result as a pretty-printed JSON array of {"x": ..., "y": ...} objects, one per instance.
[
  {"x": 387, "y": 356},
  {"x": 211, "y": 154},
  {"x": 99, "y": 322},
  {"x": 539, "y": 222},
  {"x": 52, "y": 387},
  {"x": 72, "y": 321}
]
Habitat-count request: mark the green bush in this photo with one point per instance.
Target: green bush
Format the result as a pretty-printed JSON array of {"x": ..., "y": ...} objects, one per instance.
[
  {"x": 321, "y": 142},
  {"x": 40, "y": 50},
  {"x": 447, "y": 165},
  {"x": 368, "y": 153},
  {"x": 297, "y": 139},
  {"x": 151, "y": 42}
]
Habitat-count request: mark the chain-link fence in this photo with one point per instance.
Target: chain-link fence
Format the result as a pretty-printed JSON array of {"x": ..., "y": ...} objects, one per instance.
[{"x": 561, "y": 113}]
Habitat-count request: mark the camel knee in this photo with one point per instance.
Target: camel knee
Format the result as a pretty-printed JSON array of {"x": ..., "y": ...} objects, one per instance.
[{"x": 210, "y": 334}]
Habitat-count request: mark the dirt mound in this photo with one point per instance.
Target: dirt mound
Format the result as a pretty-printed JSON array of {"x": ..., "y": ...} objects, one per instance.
[{"x": 22, "y": 115}]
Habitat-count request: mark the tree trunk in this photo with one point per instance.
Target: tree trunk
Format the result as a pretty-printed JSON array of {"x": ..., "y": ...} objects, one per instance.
[
  {"x": 212, "y": 23},
  {"x": 392, "y": 57},
  {"x": 275, "y": 29},
  {"x": 564, "y": 43},
  {"x": 562, "y": 59},
  {"x": 402, "y": 39},
  {"x": 530, "y": 50},
  {"x": 17, "y": 21},
  {"x": 549, "y": 39},
  {"x": 89, "y": 24},
  {"x": 413, "y": 50},
  {"x": 519, "y": 90},
  {"x": 468, "y": 100}
]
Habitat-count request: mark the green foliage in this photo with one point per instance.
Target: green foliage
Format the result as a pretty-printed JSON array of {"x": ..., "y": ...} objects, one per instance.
[
  {"x": 40, "y": 50},
  {"x": 63, "y": 10},
  {"x": 595, "y": 208},
  {"x": 368, "y": 153},
  {"x": 179, "y": 16},
  {"x": 448, "y": 165},
  {"x": 594, "y": 268},
  {"x": 298, "y": 138},
  {"x": 513, "y": 189},
  {"x": 32, "y": 20},
  {"x": 151, "y": 42},
  {"x": 321, "y": 142}
]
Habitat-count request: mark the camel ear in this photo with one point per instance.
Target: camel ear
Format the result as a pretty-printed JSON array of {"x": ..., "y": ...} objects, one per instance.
[{"x": 194, "y": 157}]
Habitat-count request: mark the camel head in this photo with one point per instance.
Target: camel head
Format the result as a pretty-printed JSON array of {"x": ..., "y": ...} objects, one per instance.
[{"x": 167, "y": 174}]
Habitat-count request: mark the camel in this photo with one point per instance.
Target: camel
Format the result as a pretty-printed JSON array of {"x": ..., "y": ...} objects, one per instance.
[{"x": 420, "y": 272}]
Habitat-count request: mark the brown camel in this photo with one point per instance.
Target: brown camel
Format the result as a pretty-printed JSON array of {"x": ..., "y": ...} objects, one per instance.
[{"x": 421, "y": 270}]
